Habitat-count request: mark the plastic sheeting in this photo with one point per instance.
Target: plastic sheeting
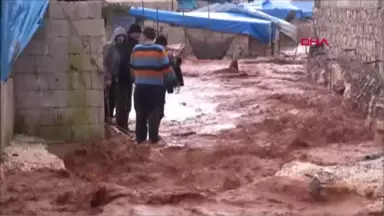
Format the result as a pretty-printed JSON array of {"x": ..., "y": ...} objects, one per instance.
[
  {"x": 281, "y": 8},
  {"x": 186, "y": 5},
  {"x": 19, "y": 21},
  {"x": 306, "y": 7},
  {"x": 221, "y": 22},
  {"x": 285, "y": 27}
]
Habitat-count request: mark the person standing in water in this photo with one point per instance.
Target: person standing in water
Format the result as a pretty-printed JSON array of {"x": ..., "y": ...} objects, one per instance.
[
  {"x": 152, "y": 71},
  {"x": 124, "y": 79},
  {"x": 175, "y": 63}
]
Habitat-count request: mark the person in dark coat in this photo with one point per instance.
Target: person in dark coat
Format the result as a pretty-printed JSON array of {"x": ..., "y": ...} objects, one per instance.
[
  {"x": 111, "y": 63},
  {"x": 124, "y": 80},
  {"x": 176, "y": 66}
]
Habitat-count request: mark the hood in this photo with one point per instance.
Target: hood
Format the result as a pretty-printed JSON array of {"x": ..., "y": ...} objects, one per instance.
[{"x": 118, "y": 31}]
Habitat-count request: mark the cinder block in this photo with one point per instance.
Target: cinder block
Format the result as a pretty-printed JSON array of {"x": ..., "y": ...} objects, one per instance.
[
  {"x": 79, "y": 45},
  {"x": 83, "y": 9},
  {"x": 97, "y": 131},
  {"x": 64, "y": 115},
  {"x": 86, "y": 62},
  {"x": 31, "y": 82},
  {"x": 55, "y": 132},
  {"x": 80, "y": 132},
  {"x": 27, "y": 100},
  {"x": 36, "y": 47},
  {"x": 55, "y": 10},
  {"x": 62, "y": 10},
  {"x": 95, "y": 8},
  {"x": 48, "y": 116},
  {"x": 79, "y": 80},
  {"x": 52, "y": 64},
  {"x": 95, "y": 98},
  {"x": 29, "y": 117},
  {"x": 53, "y": 98},
  {"x": 97, "y": 80},
  {"x": 59, "y": 46},
  {"x": 101, "y": 114},
  {"x": 94, "y": 115},
  {"x": 90, "y": 27},
  {"x": 25, "y": 64},
  {"x": 97, "y": 44},
  {"x": 79, "y": 98},
  {"x": 57, "y": 81},
  {"x": 58, "y": 28}
]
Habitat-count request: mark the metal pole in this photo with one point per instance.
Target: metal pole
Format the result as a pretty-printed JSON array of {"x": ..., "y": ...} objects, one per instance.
[
  {"x": 142, "y": 6},
  {"x": 157, "y": 21},
  {"x": 208, "y": 11}
]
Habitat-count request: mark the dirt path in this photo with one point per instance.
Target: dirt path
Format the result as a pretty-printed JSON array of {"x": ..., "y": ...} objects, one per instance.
[{"x": 228, "y": 134}]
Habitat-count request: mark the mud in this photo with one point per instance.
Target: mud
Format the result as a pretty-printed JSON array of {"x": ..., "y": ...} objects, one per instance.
[{"x": 228, "y": 133}]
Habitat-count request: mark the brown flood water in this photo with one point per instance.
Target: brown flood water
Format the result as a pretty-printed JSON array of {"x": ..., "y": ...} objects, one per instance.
[{"x": 228, "y": 133}]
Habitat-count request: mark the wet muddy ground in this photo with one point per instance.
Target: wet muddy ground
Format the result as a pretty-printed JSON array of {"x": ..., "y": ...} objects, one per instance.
[{"x": 228, "y": 133}]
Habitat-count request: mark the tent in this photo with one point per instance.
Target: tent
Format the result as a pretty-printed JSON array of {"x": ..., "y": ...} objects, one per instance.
[
  {"x": 239, "y": 10},
  {"x": 216, "y": 21},
  {"x": 306, "y": 7},
  {"x": 19, "y": 21},
  {"x": 281, "y": 8}
]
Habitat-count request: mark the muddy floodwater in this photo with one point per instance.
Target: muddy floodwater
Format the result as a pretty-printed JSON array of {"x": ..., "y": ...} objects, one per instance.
[{"x": 228, "y": 134}]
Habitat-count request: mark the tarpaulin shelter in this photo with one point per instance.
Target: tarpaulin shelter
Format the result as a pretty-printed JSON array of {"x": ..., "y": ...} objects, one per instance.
[
  {"x": 281, "y": 8},
  {"x": 216, "y": 21},
  {"x": 224, "y": 22},
  {"x": 240, "y": 10},
  {"x": 19, "y": 21},
  {"x": 306, "y": 7}
]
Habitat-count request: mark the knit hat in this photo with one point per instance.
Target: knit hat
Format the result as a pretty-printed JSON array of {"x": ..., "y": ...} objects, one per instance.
[
  {"x": 162, "y": 40},
  {"x": 135, "y": 28}
]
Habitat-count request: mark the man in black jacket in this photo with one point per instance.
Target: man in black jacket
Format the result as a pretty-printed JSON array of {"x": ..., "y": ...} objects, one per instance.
[
  {"x": 176, "y": 66},
  {"x": 124, "y": 80}
]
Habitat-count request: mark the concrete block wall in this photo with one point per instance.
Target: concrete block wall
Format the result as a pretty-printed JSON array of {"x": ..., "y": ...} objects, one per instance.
[
  {"x": 7, "y": 111},
  {"x": 355, "y": 28},
  {"x": 351, "y": 65},
  {"x": 59, "y": 90}
]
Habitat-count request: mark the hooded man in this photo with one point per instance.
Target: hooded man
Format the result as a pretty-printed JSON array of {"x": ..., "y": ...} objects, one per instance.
[
  {"x": 124, "y": 80},
  {"x": 112, "y": 53}
]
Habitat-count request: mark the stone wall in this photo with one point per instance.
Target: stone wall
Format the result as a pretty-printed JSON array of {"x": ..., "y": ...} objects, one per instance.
[
  {"x": 59, "y": 90},
  {"x": 351, "y": 64}
]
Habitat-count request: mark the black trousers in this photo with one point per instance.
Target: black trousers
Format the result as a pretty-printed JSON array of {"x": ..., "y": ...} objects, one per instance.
[
  {"x": 123, "y": 104},
  {"x": 149, "y": 103},
  {"x": 110, "y": 100}
]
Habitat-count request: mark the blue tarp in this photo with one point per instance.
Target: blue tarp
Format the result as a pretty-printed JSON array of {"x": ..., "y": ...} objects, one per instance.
[
  {"x": 285, "y": 27},
  {"x": 281, "y": 8},
  {"x": 306, "y": 7},
  {"x": 19, "y": 21},
  {"x": 221, "y": 22}
]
